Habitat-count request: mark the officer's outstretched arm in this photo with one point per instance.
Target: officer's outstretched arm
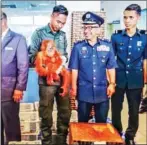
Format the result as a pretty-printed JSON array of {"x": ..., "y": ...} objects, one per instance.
[
  {"x": 111, "y": 76},
  {"x": 107, "y": 74},
  {"x": 74, "y": 77}
]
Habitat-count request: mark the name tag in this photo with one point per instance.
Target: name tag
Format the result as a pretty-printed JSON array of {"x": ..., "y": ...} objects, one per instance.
[
  {"x": 8, "y": 48},
  {"x": 103, "y": 48},
  {"x": 139, "y": 43}
]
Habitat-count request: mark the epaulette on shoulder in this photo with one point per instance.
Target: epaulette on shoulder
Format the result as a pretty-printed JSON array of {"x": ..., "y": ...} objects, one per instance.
[
  {"x": 38, "y": 30},
  {"x": 106, "y": 40},
  {"x": 143, "y": 31},
  {"x": 79, "y": 42},
  {"x": 118, "y": 31},
  {"x": 41, "y": 28},
  {"x": 62, "y": 32}
]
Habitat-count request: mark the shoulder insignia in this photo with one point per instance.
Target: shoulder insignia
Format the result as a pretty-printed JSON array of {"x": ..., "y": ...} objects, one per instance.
[
  {"x": 62, "y": 32},
  {"x": 118, "y": 31},
  {"x": 78, "y": 42},
  {"x": 41, "y": 28},
  {"x": 143, "y": 31},
  {"x": 106, "y": 40},
  {"x": 38, "y": 29}
]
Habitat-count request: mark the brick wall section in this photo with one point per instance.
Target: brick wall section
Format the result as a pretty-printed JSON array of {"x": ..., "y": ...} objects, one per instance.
[{"x": 76, "y": 24}]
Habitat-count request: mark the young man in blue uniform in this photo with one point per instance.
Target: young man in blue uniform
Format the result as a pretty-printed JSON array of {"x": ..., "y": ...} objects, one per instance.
[
  {"x": 130, "y": 46},
  {"x": 88, "y": 63}
]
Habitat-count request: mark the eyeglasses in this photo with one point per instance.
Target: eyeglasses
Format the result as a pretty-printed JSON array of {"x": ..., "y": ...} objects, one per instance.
[{"x": 89, "y": 27}]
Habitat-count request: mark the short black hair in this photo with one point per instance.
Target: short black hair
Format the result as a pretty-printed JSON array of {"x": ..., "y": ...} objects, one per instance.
[
  {"x": 3, "y": 16},
  {"x": 134, "y": 7},
  {"x": 60, "y": 9}
]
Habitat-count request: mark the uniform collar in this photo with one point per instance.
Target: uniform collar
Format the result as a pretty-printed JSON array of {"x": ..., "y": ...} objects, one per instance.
[
  {"x": 98, "y": 41},
  {"x": 137, "y": 32},
  {"x": 49, "y": 30},
  {"x": 5, "y": 32}
]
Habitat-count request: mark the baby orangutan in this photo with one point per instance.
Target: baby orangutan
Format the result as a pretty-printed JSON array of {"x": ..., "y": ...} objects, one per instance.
[{"x": 49, "y": 64}]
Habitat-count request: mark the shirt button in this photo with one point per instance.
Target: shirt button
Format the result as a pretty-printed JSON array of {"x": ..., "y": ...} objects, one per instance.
[
  {"x": 94, "y": 70},
  {"x": 93, "y": 55},
  {"x": 130, "y": 38},
  {"x": 94, "y": 78},
  {"x": 130, "y": 46},
  {"x": 127, "y": 72},
  {"x": 128, "y": 59},
  {"x": 94, "y": 63},
  {"x": 129, "y": 53},
  {"x": 128, "y": 65},
  {"x": 94, "y": 86}
]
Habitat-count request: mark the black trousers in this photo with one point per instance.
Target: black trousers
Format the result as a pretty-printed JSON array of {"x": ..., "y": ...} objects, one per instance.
[
  {"x": 10, "y": 122},
  {"x": 47, "y": 95},
  {"x": 133, "y": 98},
  {"x": 101, "y": 111}
]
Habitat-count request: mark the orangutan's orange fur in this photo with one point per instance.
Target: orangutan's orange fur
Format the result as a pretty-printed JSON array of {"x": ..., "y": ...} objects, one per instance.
[{"x": 47, "y": 65}]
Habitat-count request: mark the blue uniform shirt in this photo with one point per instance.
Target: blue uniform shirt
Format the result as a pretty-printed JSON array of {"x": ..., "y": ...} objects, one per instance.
[
  {"x": 130, "y": 53},
  {"x": 91, "y": 62}
]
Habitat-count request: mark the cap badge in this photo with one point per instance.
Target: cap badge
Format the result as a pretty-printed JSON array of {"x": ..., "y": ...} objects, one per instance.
[{"x": 88, "y": 16}]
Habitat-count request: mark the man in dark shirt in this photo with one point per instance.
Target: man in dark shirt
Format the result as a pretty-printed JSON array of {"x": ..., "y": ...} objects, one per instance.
[{"x": 52, "y": 31}]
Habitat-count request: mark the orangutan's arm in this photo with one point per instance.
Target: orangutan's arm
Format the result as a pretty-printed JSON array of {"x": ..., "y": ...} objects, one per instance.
[
  {"x": 66, "y": 81},
  {"x": 39, "y": 66}
]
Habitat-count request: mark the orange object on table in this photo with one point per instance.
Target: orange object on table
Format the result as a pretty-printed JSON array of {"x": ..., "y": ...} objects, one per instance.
[{"x": 93, "y": 132}]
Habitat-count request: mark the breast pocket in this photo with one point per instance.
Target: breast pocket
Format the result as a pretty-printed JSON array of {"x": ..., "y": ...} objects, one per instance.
[
  {"x": 8, "y": 55},
  {"x": 121, "y": 48},
  {"x": 85, "y": 60},
  {"x": 60, "y": 43},
  {"x": 102, "y": 58},
  {"x": 140, "y": 50}
]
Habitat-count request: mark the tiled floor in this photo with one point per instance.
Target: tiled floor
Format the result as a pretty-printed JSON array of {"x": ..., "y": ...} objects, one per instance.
[{"x": 141, "y": 136}]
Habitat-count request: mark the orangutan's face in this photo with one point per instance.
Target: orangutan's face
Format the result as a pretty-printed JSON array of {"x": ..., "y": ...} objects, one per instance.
[{"x": 50, "y": 50}]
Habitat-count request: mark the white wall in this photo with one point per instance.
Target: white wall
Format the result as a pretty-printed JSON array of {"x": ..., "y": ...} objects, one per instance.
[
  {"x": 81, "y": 5},
  {"x": 114, "y": 9}
]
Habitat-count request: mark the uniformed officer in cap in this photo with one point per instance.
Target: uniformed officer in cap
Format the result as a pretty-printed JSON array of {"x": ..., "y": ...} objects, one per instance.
[
  {"x": 88, "y": 63},
  {"x": 130, "y": 46}
]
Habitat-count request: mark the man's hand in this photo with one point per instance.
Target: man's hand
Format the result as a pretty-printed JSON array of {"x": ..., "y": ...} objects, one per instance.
[
  {"x": 110, "y": 90},
  {"x": 17, "y": 96}
]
